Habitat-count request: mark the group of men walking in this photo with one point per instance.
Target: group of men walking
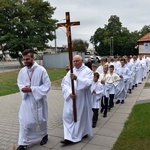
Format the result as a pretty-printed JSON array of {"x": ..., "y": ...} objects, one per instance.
[{"x": 95, "y": 88}]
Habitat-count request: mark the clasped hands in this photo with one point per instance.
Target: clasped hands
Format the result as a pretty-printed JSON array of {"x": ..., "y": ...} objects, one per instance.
[
  {"x": 93, "y": 92},
  {"x": 121, "y": 76},
  {"x": 26, "y": 89}
]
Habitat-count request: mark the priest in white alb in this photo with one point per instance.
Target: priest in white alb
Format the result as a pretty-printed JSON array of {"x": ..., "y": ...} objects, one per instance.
[
  {"x": 34, "y": 83},
  {"x": 83, "y": 77}
]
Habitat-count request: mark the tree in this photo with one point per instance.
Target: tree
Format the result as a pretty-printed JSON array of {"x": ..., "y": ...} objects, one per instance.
[
  {"x": 114, "y": 25},
  {"x": 26, "y": 24},
  {"x": 123, "y": 41},
  {"x": 145, "y": 30},
  {"x": 79, "y": 45},
  {"x": 98, "y": 41}
]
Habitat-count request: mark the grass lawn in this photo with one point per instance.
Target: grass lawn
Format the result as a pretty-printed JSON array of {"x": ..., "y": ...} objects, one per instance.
[
  {"x": 147, "y": 85},
  {"x": 136, "y": 133},
  {"x": 8, "y": 80}
]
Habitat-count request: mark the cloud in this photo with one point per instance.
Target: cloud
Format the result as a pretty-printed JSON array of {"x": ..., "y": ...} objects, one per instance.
[{"x": 93, "y": 14}]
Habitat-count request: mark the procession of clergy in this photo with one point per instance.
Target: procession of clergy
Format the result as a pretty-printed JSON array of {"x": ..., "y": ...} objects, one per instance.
[
  {"x": 115, "y": 78},
  {"x": 97, "y": 88}
]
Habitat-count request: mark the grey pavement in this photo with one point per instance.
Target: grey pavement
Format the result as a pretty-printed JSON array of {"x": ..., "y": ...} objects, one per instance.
[{"x": 105, "y": 134}]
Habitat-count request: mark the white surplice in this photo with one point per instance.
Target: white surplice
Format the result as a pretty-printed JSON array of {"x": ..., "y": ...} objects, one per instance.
[
  {"x": 74, "y": 131},
  {"x": 123, "y": 84},
  {"x": 135, "y": 71},
  {"x": 96, "y": 97},
  {"x": 110, "y": 80},
  {"x": 100, "y": 69},
  {"x": 106, "y": 87},
  {"x": 33, "y": 112},
  {"x": 116, "y": 65}
]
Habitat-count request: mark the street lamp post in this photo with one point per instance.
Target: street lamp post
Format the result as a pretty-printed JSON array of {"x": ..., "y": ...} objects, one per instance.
[
  {"x": 55, "y": 42},
  {"x": 111, "y": 46}
]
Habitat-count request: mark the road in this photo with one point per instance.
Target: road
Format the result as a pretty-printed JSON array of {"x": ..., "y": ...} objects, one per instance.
[{"x": 6, "y": 66}]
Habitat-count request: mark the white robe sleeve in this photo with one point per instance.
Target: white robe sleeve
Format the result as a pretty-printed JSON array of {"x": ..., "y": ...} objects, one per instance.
[
  {"x": 116, "y": 77},
  {"x": 99, "y": 91},
  {"x": 40, "y": 91},
  {"x": 21, "y": 84},
  {"x": 86, "y": 81},
  {"x": 66, "y": 90}
]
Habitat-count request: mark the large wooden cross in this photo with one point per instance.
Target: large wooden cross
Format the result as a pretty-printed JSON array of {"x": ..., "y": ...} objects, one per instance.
[{"x": 68, "y": 25}]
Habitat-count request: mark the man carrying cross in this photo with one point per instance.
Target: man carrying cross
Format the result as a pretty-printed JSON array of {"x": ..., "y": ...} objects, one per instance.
[
  {"x": 76, "y": 91},
  {"x": 83, "y": 77}
]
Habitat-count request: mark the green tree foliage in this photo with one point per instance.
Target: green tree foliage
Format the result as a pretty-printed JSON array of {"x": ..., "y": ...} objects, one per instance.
[
  {"x": 26, "y": 24},
  {"x": 114, "y": 26},
  {"x": 144, "y": 30},
  {"x": 124, "y": 41},
  {"x": 79, "y": 45}
]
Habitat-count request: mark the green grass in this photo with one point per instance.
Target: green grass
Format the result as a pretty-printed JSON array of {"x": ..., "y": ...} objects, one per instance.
[
  {"x": 136, "y": 132},
  {"x": 56, "y": 74},
  {"x": 8, "y": 80},
  {"x": 147, "y": 85}
]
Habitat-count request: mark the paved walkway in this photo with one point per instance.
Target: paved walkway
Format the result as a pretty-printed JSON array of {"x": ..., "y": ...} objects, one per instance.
[{"x": 105, "y": 134}]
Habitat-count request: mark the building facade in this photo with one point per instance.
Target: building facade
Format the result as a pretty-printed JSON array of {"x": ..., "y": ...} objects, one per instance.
[{"x": 144, "y": 45}]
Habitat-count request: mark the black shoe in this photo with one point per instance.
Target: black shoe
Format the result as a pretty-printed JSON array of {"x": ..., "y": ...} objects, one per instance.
[
  {"x": 66, "y": 142},
  {"x": 102, "y": 110},
  {"x": 105, "y": 115},
  {"x": 22, "y": 147},
  {"x": 130, "y": 91},
  {"x": 84, "y": 137},
  {"x": 112, "y": 105},
  {"x": 135, "y": 85},
  {"x": 93, "y": 125},
  {"x": 44, "y": 140},
  {"x": 118, "y": 101},
  {"x": 122, "y": 102}
]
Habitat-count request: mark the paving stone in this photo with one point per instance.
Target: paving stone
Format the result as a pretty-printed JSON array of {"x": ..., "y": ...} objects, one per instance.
[
  {"x": 105, "y": 134},
  {"x": 36, "y": 147},
  {"x": 119, "y": 118},
  {"x": 77, "y": 146},
  {"x": 58, "y": 132},
  {"x": 103, "y": 141},
  {"x": 109, "y": 132},
  {"x": 113, "y": 125},
  {"x": 123, "y": 110},
  {"x": 95, "y": 147},
  {"x": 52, "y": 142}
]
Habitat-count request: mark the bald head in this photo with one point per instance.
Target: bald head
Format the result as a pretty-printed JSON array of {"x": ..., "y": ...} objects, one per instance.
[
  {"x": 77, "y": 57},
  {"x": 77, "y": 61}
]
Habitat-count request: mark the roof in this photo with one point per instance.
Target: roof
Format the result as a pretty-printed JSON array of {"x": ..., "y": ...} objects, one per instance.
[{"x": 145, "y": 38}]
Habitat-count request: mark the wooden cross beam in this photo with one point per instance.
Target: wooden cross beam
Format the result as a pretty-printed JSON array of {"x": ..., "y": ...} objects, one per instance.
[{"x": 68, "y": 25}]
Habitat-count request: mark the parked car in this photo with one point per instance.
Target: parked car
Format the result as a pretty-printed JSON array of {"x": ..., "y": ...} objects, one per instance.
[
  {"x": 89, "y": 56},
  {"x": 98, "y": 58}
]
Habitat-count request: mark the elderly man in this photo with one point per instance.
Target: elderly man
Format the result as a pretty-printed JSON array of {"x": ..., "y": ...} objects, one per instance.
[{"x": 83, "y": 77}]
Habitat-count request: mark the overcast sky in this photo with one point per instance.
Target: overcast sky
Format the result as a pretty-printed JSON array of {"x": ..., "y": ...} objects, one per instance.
[{"x": 92, "y": 14}]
